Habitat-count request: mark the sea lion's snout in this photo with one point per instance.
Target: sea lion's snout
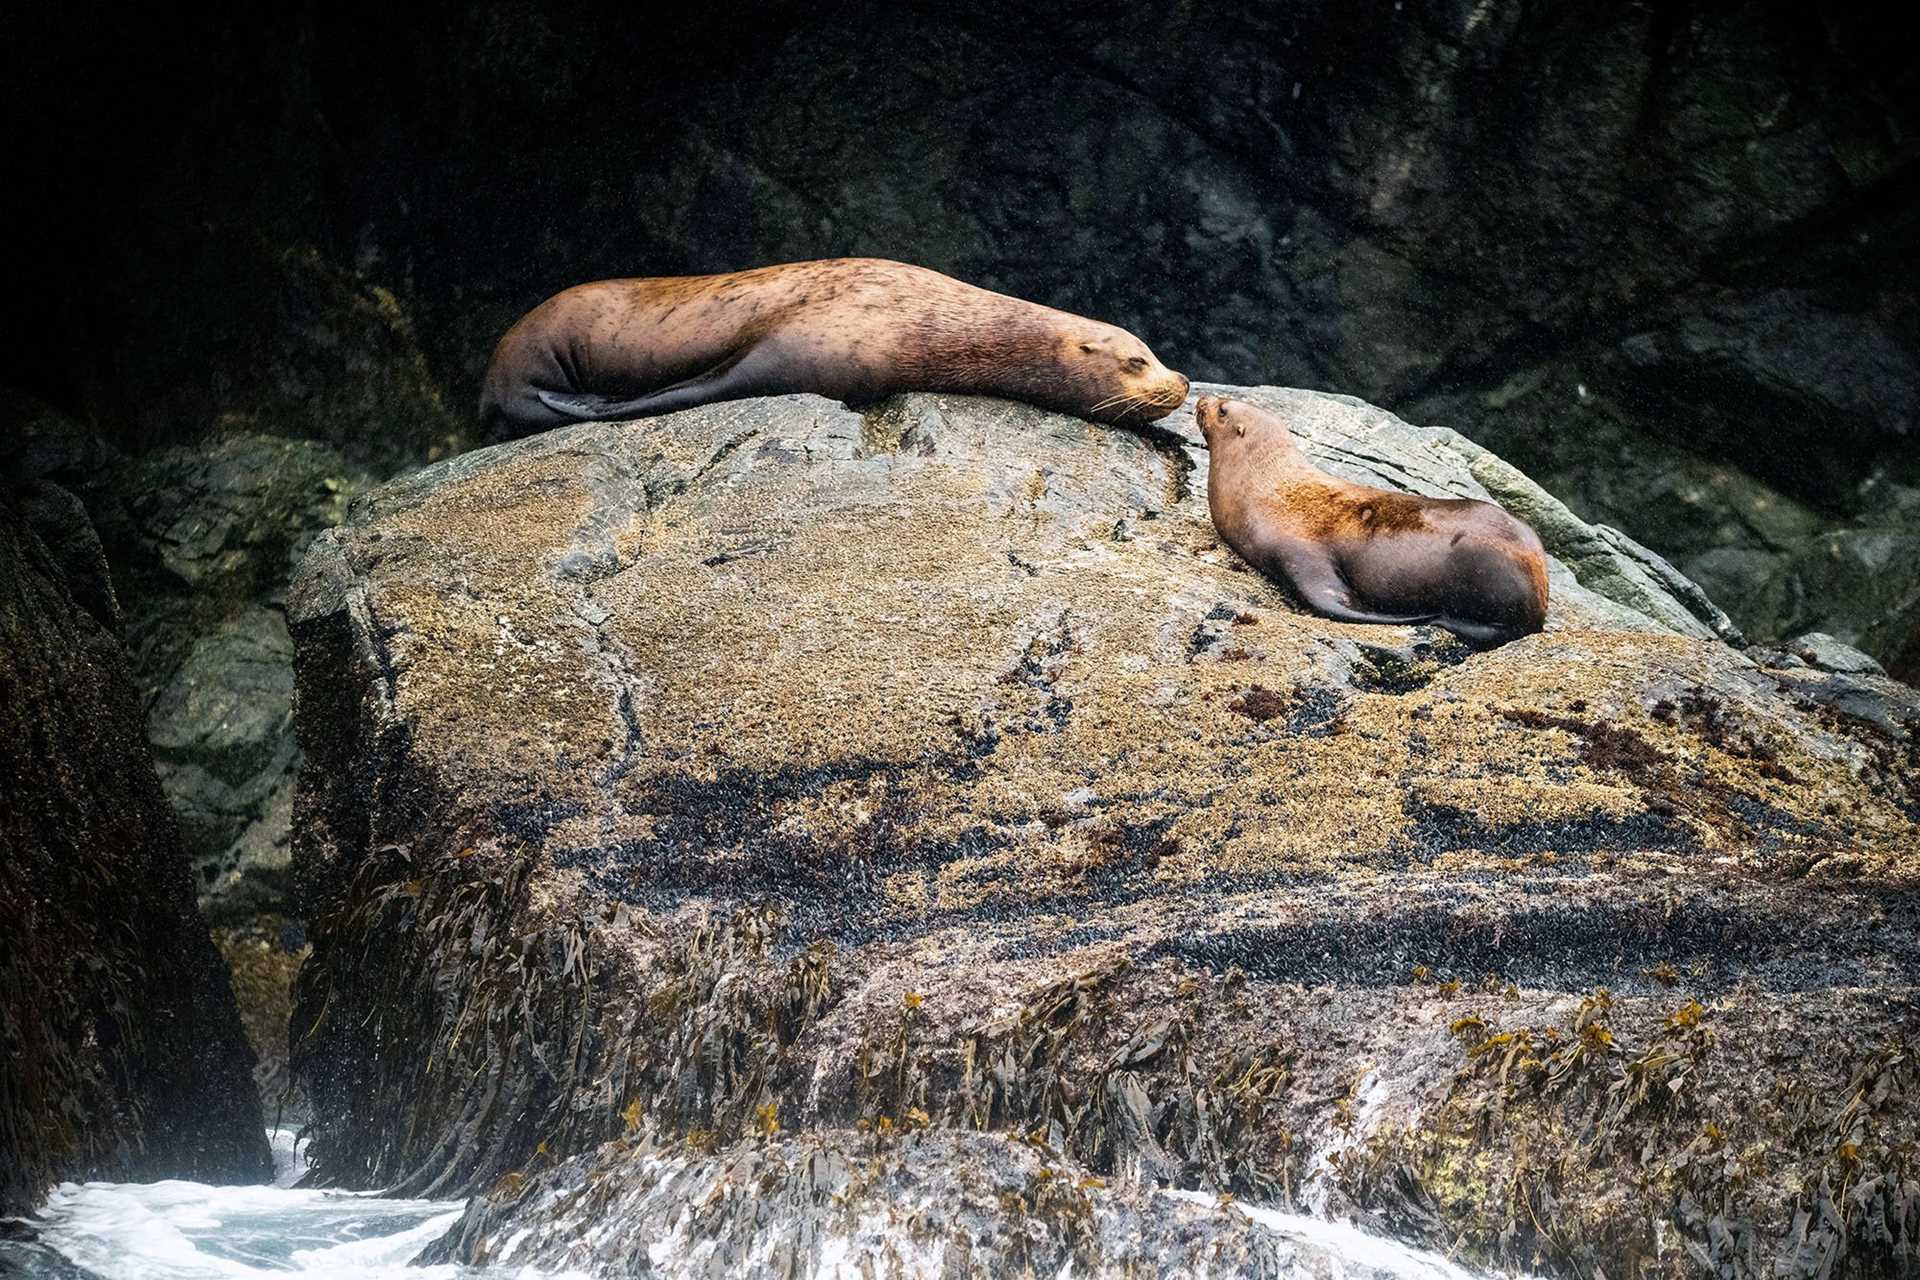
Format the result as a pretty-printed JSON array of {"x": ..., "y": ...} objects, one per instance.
[
  {"x": 1165, "y": 393},
  {"x": 1206, "y": 411}
]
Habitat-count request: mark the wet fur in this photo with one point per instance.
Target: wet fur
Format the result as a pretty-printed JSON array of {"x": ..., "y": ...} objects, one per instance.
[
  {"x": 853, "y": 329},
  {"x": 1361, "y": 554}
]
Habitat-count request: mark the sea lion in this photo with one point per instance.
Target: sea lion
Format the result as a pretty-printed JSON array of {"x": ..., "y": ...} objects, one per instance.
[
  {"x": 1360, "y": 554},
  {"x": 853, "y": 329}
]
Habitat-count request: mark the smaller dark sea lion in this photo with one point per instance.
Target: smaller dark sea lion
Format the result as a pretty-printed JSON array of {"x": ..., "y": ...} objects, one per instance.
[
  {"x": 1359, "y": 554},
  {"x": 853, "y": 329}
]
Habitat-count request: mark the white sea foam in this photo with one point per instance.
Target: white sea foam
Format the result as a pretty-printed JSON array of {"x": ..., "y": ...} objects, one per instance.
[
  {"x": 1360, "y": 1249},
  {"x": 191, "y": 1231}
]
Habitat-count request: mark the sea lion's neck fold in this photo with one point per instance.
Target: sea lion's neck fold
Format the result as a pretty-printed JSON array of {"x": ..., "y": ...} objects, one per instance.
[{"x": 1004, "y": 347}]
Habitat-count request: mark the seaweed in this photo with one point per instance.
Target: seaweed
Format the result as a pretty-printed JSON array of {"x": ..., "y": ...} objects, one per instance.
[
  {"x": 1156, "y": 1104},
  {"x": 1583, "y": 1128}
]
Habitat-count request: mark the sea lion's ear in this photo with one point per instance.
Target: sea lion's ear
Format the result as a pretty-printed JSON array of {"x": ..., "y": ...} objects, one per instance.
[
  {"x": 1088, "y": 347},
  {"x": 1240, "y": 426}
]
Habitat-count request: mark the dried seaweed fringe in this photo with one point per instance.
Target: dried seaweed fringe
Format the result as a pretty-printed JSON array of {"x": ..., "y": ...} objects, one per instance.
[{"x": 1576, "y": 1114}]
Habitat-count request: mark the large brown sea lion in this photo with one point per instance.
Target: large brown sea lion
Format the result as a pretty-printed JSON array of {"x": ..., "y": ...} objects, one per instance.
[
  {"x": 1360, "y": 554},
  {"x": 853, "y": 329}
]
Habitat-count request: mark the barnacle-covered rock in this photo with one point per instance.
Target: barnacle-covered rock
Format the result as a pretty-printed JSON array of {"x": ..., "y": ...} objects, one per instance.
[{"x": 773, "y": 771}]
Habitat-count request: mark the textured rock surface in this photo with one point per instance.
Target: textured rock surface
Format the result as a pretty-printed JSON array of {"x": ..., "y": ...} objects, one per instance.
[
  {"x": 208, "y": 541},
  {"x": 263, "y": 955},
  {"x": 777, "y": 767},
  {"x": 927, "y": 1202},
  {"x": 121, "y": 1055},
  {"x": 1828, "y": 654}
]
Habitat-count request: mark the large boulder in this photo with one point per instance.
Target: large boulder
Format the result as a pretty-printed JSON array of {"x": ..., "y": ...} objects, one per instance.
[
  {"x": 756, "y": 794},
  {"x": 121, "y": 1054}
]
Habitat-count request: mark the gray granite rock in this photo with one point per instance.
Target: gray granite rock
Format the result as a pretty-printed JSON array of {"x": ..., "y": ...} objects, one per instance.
[
  {"x": 209, "y": 540},
  {"x": 1818, "y": 649}
]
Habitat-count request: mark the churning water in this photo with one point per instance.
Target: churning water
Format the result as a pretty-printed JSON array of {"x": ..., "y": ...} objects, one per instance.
[{"x": 192, "y": 1231}]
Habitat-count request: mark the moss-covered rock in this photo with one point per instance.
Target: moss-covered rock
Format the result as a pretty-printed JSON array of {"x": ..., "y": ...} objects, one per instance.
[
  {"x": 263, "y": 955},
  {"x": 777, "y": 765}
]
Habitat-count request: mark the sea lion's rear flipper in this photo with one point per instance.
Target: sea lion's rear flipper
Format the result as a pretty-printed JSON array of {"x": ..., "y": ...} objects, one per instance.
[
  {"x": 729, "y": 381},
  {"x": 1341, "y": 613},
  {"x": 591, "y": 408},
  {"x": 1329, "y": 597},
  {"x": 587, "y": 408},
  {"x": 1479, "y": 634}
]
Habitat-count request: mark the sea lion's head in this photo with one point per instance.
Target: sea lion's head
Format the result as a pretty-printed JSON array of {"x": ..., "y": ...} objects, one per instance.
[
  {"x": 1235, "y": 426},
  {"x": 1115, "y": 378}
]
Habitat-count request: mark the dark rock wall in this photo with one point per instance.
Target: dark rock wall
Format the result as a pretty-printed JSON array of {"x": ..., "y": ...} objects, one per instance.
[
  {"x": 1621, "y": 243},
  {"x": 121, "y": 1053},
  {"x": 1384, "y": 198}
]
